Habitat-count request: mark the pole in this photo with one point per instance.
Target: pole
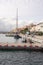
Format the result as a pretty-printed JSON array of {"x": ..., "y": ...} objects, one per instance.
[{"x": 17, "y": 21}]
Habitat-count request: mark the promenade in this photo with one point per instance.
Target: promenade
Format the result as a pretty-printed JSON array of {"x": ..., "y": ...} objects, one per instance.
[
  {"x": 35, "y": 45},
  {"x": 37, "y": 41}
]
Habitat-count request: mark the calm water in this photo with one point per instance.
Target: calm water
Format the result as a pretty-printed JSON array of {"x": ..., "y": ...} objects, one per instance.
[
  {"x": 19, "y": 57},
  {"x": 5, "y": 39}
]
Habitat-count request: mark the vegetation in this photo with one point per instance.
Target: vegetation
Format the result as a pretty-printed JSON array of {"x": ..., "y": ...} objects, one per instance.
[
  {"x": 24, "y": 31},
  {"x": 38, "y": 33}
]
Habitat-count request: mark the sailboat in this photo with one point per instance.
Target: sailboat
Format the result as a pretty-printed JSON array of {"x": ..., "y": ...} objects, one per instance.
[{"x": 16, "y": 35}]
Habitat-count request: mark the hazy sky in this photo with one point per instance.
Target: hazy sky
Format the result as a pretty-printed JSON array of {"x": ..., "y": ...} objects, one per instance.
[{"x": 28, "y": 11}]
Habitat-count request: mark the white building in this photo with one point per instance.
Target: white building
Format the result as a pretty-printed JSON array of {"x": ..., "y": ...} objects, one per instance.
[{"x": 38, "y": 27}]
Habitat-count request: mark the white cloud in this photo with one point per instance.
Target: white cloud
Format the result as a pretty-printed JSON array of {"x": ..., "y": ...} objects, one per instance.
[{"x": 27, "y": 9}]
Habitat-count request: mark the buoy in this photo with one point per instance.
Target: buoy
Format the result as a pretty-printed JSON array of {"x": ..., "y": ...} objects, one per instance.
[
  {"x": 30, "y": 46},
  {"x": 12, "y": 45},
  {"x": 25, "y": 46},
  {"x": 0, "y": 45},
  {"x": 18, "y": 46},
  {"x": 6, "y": 45}
]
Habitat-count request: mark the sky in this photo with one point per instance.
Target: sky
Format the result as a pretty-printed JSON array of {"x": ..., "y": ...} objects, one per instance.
[{"x": 29, "y": 11}]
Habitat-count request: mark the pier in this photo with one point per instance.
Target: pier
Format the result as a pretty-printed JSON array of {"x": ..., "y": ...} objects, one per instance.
[{"x": 21, "y": 46}]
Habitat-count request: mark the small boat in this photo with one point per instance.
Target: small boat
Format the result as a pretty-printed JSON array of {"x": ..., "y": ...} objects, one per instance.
[{"x": 17, "y": 36}]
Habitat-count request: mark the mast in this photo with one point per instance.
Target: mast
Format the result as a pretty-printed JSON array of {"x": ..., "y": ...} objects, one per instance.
[
  {"x": 17, "y": 21},
  {"x": 17, "y": 36}
]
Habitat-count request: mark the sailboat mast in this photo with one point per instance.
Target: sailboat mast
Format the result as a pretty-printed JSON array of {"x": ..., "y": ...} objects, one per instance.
[{"x": 17, "y": 20}]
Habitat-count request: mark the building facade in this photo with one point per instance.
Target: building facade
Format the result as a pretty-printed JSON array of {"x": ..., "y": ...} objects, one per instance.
[{"x": 37, "y": 28}]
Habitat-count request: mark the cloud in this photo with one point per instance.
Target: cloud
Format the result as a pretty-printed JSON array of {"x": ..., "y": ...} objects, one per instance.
[
  {"x": 5, "y": 26},
  {"x": 28, "y": 11}
]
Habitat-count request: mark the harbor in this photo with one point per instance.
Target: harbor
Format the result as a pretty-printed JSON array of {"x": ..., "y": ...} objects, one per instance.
[
  {"x": 22, "y": 38},
  {"x": 36, "y": 44},
  {"x": 21, "y": 32}
]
